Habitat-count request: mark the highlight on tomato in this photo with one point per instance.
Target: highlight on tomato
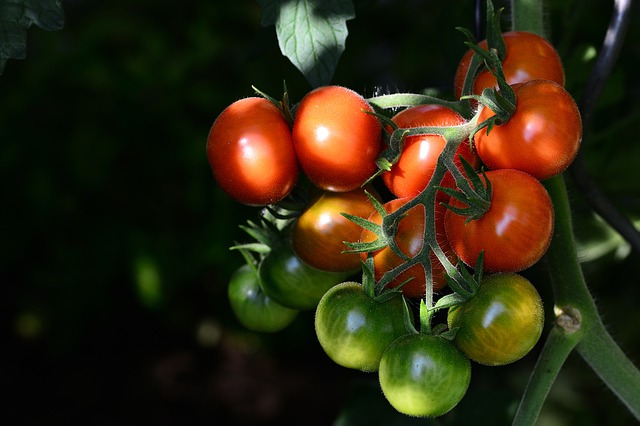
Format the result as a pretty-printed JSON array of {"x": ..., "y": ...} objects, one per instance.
[
  {"x": 318, "y": 235},
  {"x": 410, "y": 239},
  {"x": 336, "y": 140},
  {"x": 514, "y": 232},
  {"x": 528, "y": 57},
  {"x": 501, "y": 323},
  {"x": 354, "y": 328},
  {"x": 541, "y": 138},
  {"x": 423, "y": 375},
  {"x": 251, "y": 154},
  {"x": 413, "y": 170}
]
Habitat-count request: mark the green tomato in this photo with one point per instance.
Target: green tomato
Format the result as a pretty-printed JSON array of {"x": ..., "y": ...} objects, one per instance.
[
  {"x": 291, "y": 282},
  {"x": 423, "y": 375},
  {"x": 355, "y": 329},
  {"x": 502, "y": 323},
  {"x": 252, "y": 307}
]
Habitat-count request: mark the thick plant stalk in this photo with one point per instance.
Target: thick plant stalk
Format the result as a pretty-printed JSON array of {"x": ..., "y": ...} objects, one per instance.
[{"x": 578, "y": 323}]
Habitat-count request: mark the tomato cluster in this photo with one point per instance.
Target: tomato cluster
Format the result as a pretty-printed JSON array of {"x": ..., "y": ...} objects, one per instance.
[{"x": 412, "y": 200}]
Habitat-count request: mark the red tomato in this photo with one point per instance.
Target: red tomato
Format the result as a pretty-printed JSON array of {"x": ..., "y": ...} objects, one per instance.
[
  {"x": 528, "y": 57},
  {"x": 318, "y": 235},
  {"x": 409, "y": 236},
  {"x": 251, "y": 154},
  {"x": 516, "y": 230},
  {"x": 336, "y": 141},
  {"x": 541, "y": 138},
  {"x": 412, "y": 172}
]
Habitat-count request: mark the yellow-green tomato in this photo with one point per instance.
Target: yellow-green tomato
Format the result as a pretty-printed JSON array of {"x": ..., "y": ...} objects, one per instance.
[
  {"x": 423, "y": 375},
  {"x": 354, "y": 329},
  {"x": 502, "y": 323}
]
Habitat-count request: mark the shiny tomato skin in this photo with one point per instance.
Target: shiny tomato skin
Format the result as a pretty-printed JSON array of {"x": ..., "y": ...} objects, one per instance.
[
  {"x": 529, "y": 57},
  {"x": 501, "y": 323},
  {"x": 252, "y": 307},
  {"x": 319, "y": 233},
  {"x": 423, "y": 375},
  {"x": 251, "y": 154},
  {"x": 410, "y": 237},
  {"x": 413, "y": 170},
  {"x": 291, "y": 282},
  {"x": 354, "y": 329},
  {"x": 516, "y": 230},
  {"x": 541, "y": 138},
  {"x": 336, "y": 141}
]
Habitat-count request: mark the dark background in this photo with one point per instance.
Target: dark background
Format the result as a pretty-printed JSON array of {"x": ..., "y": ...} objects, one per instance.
[{"x": 114, "y": 257}]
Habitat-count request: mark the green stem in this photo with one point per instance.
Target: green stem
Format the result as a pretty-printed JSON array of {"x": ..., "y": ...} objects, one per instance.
[
  {"x": 572, "y": 297},
  {"x": 557, "y": 348},
  {"x": 527, "y": 15}
]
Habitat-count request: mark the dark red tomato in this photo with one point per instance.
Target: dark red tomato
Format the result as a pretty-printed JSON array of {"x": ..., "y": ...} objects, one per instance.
[
  {"x": 541, "y": 138},
  {"x": 250, "y": 151},
  {"x": 355, "y": 329},
  {"x": 412, "y": 172},
  {"x": 529, "y": 57},
  {"x": 410, "y": 237},
  {"x": 252, "y": 307},
  {"x": 337, "y": 142},
  {"x": 501, "y": 323},
  {"x": 516, "y": 230},
  {"x": 318, "y": 235},
  {"x": 423, "y": 375},
  {"x": 291, "y": 282}
]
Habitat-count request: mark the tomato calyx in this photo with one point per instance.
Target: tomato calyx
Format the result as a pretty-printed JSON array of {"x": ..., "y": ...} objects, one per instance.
[
  {"x": 283, "y": 104},
  {"x": 478, "y": 200}
]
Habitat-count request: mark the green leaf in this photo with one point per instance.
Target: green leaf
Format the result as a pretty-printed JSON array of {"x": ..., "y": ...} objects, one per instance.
[
  {"x": 311, "y": 33},
  {"x": 18, "y": 15}
]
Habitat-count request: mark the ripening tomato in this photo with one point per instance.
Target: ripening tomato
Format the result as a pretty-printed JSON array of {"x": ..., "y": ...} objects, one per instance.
[
  {"x": 336, "y": 140},
  {"x": 501, "y": 323},
  {"x": 413, "y": 170},
  {"x": 250, "y": 151},
  {"x": 541, "y": 138},
  {"x": 423, "y": 375},
  {"x": 529, "y": 57},
  {"x": 354, "y": 329},
  {"x": 410, "y": 237},
  {"x": 514, "y": 232},
  {"x": 252, "y": 307},
  {"x": 318, "y": 235}
]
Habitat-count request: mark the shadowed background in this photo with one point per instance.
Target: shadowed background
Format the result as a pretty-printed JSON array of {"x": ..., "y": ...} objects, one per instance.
[{"x": 114, "y": 257}]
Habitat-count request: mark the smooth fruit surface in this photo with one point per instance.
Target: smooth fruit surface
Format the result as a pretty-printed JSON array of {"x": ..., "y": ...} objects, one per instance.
[
  {"x": 336, "y": 140},
  {"x": 514, "y": 232},
  {"x": 423, "y": 375},
  {"x": 250, "y": 151},
  {"x": 501, "y": 323},
  {"x": 252, "y": 307},
  {"x": 541, "y": 138},
  {"x": 354, "y": 329}
]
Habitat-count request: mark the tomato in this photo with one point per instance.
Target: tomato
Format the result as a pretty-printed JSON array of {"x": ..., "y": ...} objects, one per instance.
[
  {"x": 354, "y": 329},
  {"x": 336, "y": 141},
  {"x": 423, "y": 375},
  {"x": 514, "y": 232},
  {"x": 252, "y": 307},
  {"x": 412, "y": 172},
  {"x": 529, "y": 57},
  {"x": 250, "y": 151},
  {"x": 502, "y": 323},
  {"x": 318, "y": 235},
  {"x": 541, "y": 138},
  {"x": 291, "y": 282},
  {"x": 409, "y": 237}
]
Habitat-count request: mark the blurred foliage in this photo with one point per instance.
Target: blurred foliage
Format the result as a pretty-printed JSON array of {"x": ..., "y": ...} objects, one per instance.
[{"x": 114, "y": 253}]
